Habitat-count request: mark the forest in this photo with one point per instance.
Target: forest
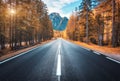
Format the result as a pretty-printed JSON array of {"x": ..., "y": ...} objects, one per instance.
[
  {"x": 23, "y": 23},
  {"x": 96, "y": 21}
]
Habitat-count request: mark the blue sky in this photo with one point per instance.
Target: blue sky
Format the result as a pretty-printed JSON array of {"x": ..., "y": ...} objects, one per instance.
[{"x": 64, "y": 7}]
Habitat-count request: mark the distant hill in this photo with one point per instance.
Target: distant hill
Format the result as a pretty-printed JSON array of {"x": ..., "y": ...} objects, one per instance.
[{"x": 58, "y": 22}]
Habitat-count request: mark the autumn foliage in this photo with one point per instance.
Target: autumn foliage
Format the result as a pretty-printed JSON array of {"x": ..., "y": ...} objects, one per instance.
[
  {"x": 23, "y": 23},
  {"x": 99, "y": 24}
]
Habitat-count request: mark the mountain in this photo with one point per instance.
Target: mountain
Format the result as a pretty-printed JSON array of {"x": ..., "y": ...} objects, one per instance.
[{"x": 58, "y": 22}]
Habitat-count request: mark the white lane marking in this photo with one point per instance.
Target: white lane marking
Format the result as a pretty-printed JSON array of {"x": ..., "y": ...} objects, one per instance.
[
  {"x": 58, "y": 72},
  {"x": 59, "y": 47},
  {"x": 85, "y": 48},
  {"x": 18, "y": 55},
  {"x": 58, "y": 51},
  {"x": 113, "y": 60},
  {"x": 97, "y": 53}
]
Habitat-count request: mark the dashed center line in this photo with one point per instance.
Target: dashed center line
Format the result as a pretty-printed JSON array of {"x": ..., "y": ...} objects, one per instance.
[{"x": 58, "y": 70}]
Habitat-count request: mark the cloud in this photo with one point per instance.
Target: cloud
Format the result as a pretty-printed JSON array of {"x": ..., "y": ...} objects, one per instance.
[
  {"x": 67, "y": 1},
  {"x": 57, "y": 5}
]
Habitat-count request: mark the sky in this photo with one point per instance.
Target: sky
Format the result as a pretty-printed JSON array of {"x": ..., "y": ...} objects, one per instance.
[{"x": 63, "y": 7}]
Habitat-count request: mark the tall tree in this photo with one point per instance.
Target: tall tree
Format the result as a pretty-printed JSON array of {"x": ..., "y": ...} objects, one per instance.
[
  {"x": 24, "y": 21},
  {"x": 113, "y": 24}
]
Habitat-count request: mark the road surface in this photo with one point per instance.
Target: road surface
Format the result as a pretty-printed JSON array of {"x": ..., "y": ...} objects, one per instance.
[{"x": 60, "y": 60}]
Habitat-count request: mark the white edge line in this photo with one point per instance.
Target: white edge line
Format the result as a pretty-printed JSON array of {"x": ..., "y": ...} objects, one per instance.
[
  {"x": 17, "y": 55},
  {"x": 85, "y": 48},
  {"x": 113, "y": 60},
  {"x": 96, "y": 53}
]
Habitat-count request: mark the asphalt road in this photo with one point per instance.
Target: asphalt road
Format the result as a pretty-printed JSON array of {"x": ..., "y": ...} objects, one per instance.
[{"x": 60, "y": 60}]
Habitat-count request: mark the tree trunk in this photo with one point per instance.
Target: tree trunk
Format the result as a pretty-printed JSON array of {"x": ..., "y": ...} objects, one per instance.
[
  {"x": 87, "y": 30},
  {"x": 113, "y": 25}
]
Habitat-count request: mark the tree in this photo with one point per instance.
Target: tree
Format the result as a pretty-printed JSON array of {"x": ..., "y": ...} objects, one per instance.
[
  {"x": 71, "y": 26},
  {"x": 2, "y": 24},
  {"x": 25, "y": 23},
  {"x": 100, "y": 28},
  {"x": 118, "y": 22},
  {"x": 113, "y": 24},
  {"x": 85, "y": 9}
]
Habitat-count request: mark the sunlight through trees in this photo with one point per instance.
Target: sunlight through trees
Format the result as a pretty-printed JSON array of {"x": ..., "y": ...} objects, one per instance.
[{"x": 23, "y": 23}]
